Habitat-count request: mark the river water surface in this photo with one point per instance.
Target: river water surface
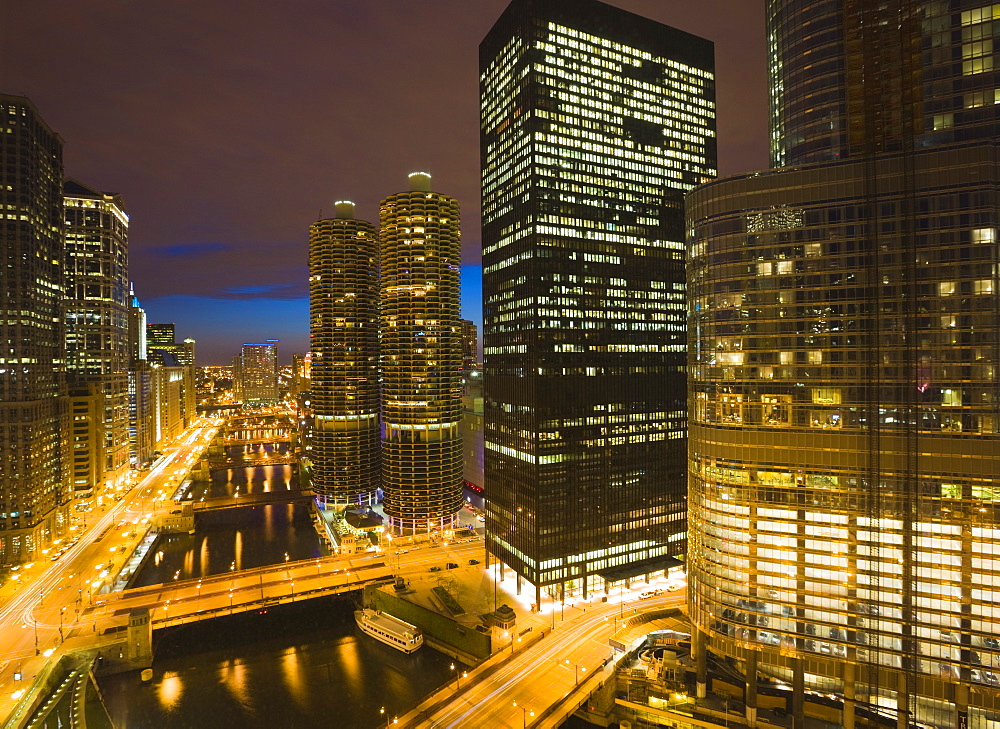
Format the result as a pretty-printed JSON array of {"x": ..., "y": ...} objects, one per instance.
[{"x": 304, "y": 665}]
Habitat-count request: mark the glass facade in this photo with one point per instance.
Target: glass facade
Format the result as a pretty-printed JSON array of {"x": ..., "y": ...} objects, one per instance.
[
  {"x": 844, "y": 392},
  {"x": 594, "y": 123},
  {"x": 420, "y": 358},
  {"x": 97, "y": 349},
  {"x": 33, "y": 409},
  {"x": 258, "y": 373},
  {"x": 343, "y": 300}
]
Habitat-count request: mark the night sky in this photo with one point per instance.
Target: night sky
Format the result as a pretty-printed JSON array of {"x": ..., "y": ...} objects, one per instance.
[{"x": 228, "y": 127}]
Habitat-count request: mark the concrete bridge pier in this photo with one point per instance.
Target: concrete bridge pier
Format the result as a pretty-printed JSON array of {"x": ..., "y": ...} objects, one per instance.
[{"x": 140, "y": 638}]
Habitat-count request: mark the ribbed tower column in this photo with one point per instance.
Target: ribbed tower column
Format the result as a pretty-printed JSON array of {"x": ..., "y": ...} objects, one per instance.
[
  {"x": 421, "y": 358},
  {"x": 343, "y": 296}
]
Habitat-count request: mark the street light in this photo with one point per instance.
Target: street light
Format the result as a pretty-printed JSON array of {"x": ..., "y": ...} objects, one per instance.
[
  {"x": 459, "y": 676},
  {"x": 577, "y": 669},
  {"x": 524, "y": 715}
]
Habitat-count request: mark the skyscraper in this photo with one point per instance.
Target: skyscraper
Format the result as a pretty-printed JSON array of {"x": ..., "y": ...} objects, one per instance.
[
  {"x": 96, "y": 232},
  {"x": 470, "y": 344},
  {"x": 343, "y": 305},
  {"x": 844, "y": 371},
  {"x": 420, "y": 358},
  {"x": 163, "y": 348},
  {"x": 33, "y": 415},
  {"x": 594, "y": 123},
  {"x": 142, "y": 416},
  {"x": 160, "y": 334},
  {"x": 258, "y": 373}
]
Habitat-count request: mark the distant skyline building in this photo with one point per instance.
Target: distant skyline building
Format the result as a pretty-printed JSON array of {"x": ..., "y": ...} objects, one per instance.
[
  {"x": 258, "y": 373},
  {"x": 420, "y": 358},
  {"x": 163, "y": 348},
  {"x": 160, "y": 334},
  {"x": 845, "y": 372},
  {"x": 34, "y": 483},
  {"x": 343, "y": 370},
  {"x": 97, "y": 326},
  {"x": 142, "y": 427},
  {"x": 470, "y": 344},
  {"x": 594, "y": 124}
]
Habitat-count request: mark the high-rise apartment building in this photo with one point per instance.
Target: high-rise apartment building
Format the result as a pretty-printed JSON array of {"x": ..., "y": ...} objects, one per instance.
[
  {"x": 97, "y": 321},
  {"x": 845, "y": 371},
  {"x": 420, "y": 358},
  {"x": 344, "y": 387},
  {"x": 594, "y": 123},
  {"x": 33, "y": 410},
  {"x": 258, "y": 373}
]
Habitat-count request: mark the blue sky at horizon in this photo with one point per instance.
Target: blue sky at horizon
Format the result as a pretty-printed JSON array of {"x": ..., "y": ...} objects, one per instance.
[{"x": 255, "y": 316}]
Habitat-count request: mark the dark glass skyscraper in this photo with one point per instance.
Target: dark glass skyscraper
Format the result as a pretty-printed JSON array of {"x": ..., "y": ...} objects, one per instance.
[
  {"x": 845, "y": 370},
  {"x": 33, "y": 417},
  {"x": 343, "y": 301},
  {"x": 594, "y": 123},
  {"x": 420, "y": 355}
]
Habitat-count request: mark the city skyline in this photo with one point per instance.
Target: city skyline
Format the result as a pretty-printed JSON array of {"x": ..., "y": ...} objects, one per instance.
[
  {"x": 730, "y": 457},
  {"x": 233, "y": 231}
]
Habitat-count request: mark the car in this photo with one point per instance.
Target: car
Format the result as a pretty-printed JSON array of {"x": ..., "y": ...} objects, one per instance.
[
  {"x": 473, "y": 561},
  {"x": 451, "y": 565},
  {"x": 673, "y": 587},
  {"x": 402, "y": 551},
  {"x": 435, "y": 568},
  {"x": 647, "y": 595}
]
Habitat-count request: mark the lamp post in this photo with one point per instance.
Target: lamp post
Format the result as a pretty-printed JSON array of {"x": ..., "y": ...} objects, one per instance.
[
  {"x": 576, "y": 672},
  {"x": 459, "y": 675},
  {"x": 525, "y": 713}
]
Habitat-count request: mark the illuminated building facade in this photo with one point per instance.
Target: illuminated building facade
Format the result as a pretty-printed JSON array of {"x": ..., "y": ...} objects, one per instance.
[
  {"x": 141, "y": 415},
  {"x": 258, "y": 373},
  {"x": 33, "y": 409},
  {"x": 420, "y": 358},
  {"x": 97, "y": 321},
  {"x": 594, "y": 123},
  {"x": 342, "y": 377},
  {"x": 162, "y": 347},
  {"x": 470, "y": 344},
  {"x": 845, "y": 371}
]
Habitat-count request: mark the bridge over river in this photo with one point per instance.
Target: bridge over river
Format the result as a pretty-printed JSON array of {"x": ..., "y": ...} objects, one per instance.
[{"x": 186, "y": 601}]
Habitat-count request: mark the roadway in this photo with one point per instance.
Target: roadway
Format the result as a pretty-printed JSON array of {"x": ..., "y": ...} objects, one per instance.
[
  {"x": 188, "y": 600},
  {"x": 48, "y": 599},
  {"x": 560, "y": 668}
]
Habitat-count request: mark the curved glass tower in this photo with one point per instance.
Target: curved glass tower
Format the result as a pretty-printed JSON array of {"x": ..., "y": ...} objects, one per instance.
[
  {"x": 343, "y": 297},
  {"x": 843, "y": 374},
  {"x": 421, "y": 358}
]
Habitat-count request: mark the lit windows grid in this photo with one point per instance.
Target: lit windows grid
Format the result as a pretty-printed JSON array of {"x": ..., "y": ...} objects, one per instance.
[
  {"x": 780, "y": 492},
  {"x": 33, "y": 413},
  {"x": 584, "y": 292},
  {"x": 420, "y": 360},
  {"x": 343, "y": 286}
]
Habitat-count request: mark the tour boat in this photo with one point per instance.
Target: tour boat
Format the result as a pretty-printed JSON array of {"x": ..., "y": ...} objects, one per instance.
[{"x": 391, "y": 631}]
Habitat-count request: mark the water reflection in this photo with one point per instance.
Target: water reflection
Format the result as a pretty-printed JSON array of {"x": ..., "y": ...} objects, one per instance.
[
  {"x": 304, "y": 666},
  {"x": 219, "y": 545}
]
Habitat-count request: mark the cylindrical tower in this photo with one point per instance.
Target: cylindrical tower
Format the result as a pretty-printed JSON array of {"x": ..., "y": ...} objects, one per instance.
[
  {"x": 421, "y": 358},
  {"x": 343, "y": 296},
  {"x": 844, "y": 372}
]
